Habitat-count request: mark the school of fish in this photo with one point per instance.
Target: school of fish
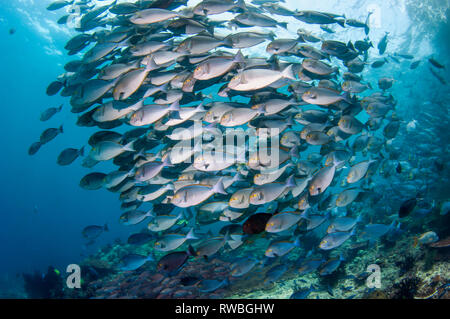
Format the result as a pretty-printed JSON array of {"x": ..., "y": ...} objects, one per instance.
[{"x": 167, "y": 85}]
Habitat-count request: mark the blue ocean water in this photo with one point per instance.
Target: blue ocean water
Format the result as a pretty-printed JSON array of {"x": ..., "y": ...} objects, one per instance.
[
  {"x": 43, "y": 207},
  {"x": 52, "y": 234}
]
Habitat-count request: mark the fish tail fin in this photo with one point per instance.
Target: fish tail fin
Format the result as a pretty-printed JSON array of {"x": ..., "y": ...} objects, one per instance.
[
  {"x": 200, "y": 108},
  {"x": 301, "y": 39},
  {"x": 227, "y": 41},
  {"x": 61, "y": 129},
  {"x": 341, "y": 22},
  {"x": 137, "y": 105},
  {"x": 163, "y": 88},
  {"x": 129, "y": 147},
  {"x": 304, "y": 214},
  {"x": 141, "y": 154},
  {"x": 359, "y": 218},
  {"x": 166, "y": 161},
  {"x": 210, "y": 127},
  {"x": 288, "y": 73},
  {"x": 218, "y": 188},
  {"x": 271, "y": 35},
  {"x": 290, "y": 121},
  {"x": 191, "y": 235},
  {"x": 283, "y": 25},
  {"x": 105, "y": 227},
  {"x": 175, "y": 106},
  {"x": 392, "y": 225},
  {"x": 150, "y": 213},
  {"x": 151, "y": 64},
  {"x": 241, "y": 4},
  {"x": 181, "y": 214},
  {"x": 81, "y": 151},
  {"x": 238, "y": 178},
  {"x": 295, "y": 151},
  {"x": 239, "y": 57},
  {"x": 227, "y": 237},
  {"x": 290, "y": 182},
  {"x": 347, "y": 97},
  {"x": 350, "y": 45},
  {"x": 198, "y": 147},
  {"x": 60, "y": 107},
  {"x": 176, "y": 115}
]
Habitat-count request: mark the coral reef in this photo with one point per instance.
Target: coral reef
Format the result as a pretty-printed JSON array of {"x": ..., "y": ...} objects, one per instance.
[
  {"x": 405, "y": 264},
  {"x": 419, "y": 271},
  {"x": 145, "y": 283},
  {"x": 406, "y": 288}
]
